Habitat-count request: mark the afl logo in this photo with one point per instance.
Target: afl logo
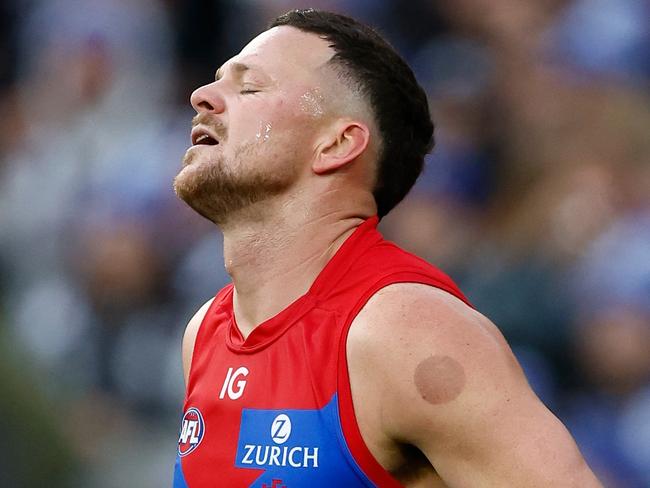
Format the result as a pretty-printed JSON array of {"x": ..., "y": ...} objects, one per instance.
[
  {"x": 281, "y": 429},
  {"x": 192, "y": 431}
]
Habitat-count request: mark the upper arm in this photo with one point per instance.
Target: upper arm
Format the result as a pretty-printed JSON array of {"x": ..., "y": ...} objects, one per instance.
[
  {"x": 189, "y": 337},
  {"x": 450, "y": 385}
]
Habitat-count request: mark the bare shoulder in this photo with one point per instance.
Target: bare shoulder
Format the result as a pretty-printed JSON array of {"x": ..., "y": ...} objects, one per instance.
[
  {"x": 445, "y": 381},
  {"x": 189, "y": 337},
  {"x": 412, "y": 317},
  {"x": 425, "y": 304},
  {"x": 431, "y": 348}
]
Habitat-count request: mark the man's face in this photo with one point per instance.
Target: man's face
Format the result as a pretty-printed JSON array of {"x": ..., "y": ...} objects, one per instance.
[{"x": 256, "y": 124}]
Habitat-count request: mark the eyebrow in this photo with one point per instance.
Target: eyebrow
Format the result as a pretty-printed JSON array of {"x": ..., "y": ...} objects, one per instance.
[{"x": 238, "y": 68}]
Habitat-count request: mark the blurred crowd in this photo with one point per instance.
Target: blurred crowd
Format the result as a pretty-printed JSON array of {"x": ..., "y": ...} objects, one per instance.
[{"x": 536, "y": 200}]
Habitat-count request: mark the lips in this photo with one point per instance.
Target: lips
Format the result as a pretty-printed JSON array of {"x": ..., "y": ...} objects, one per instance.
[{"x": 202, "y": 136}]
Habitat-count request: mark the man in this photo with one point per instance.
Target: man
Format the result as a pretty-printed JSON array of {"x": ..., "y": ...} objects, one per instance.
[{"x": 335, "y": 357}]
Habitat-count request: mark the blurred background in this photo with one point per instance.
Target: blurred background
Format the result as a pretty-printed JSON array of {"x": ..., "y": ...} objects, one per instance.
[{"x": 536, "y": 200}]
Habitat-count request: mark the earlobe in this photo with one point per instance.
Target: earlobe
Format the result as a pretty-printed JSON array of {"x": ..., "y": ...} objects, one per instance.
[{"x": 346, "y": 144}]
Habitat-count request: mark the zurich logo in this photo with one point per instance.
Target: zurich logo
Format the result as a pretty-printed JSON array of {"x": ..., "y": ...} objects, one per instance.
[
  {"x": 192, "y": 431},
  {"x": 295, "y": 447},
  {"x": 281, "y": 429}
]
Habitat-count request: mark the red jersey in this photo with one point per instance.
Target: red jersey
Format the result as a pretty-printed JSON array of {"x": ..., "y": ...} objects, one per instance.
[{"x": 275, "y": 410}]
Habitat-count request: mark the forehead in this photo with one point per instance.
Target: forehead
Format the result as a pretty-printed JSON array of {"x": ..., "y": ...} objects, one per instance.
[{"x": 286, "y": 50}]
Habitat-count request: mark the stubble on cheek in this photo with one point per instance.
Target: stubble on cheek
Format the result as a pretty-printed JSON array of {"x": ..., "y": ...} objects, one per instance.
[{"x": 220, "y": 189}]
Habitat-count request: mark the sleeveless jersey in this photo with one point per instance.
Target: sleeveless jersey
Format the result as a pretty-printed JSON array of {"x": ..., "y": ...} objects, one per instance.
[{"x": 275, "y": 410}]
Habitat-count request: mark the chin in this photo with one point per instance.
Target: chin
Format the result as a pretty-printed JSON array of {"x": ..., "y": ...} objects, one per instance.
[
  {"x": 188, "y": 181},
  {"x": 181, "y": 187},
  {"x": 188, "y": 189}
]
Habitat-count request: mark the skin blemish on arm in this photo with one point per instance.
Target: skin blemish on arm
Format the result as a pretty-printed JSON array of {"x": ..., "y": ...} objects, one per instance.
[{"x": 439, "y": 379}]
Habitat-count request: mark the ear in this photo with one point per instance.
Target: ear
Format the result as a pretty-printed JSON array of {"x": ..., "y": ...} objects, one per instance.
[{"x": 347, "y": 140}]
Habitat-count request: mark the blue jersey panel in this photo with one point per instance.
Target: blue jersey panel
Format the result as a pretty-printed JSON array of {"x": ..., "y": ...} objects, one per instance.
[
  {"x": 179, "y": 479},
  {"x": 297, "y": 448}
]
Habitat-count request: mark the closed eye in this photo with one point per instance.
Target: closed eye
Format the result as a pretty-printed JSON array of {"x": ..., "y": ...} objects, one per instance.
[{"x": 246, "y": 92}]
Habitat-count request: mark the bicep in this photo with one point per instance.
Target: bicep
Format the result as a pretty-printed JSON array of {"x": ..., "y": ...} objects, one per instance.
[
  {"x": 481, "y": 425},
  {"x": 500, "y": 434},
  {"x": 189, "y": 338}
]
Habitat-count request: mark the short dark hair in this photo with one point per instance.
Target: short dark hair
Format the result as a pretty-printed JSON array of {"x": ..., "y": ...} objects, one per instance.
[{"x": 399, "y": 103}]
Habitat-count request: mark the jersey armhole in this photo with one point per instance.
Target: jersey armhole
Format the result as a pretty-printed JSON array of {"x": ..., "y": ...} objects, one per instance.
[
  {"x": 351, "y": 432},
  {"x": 216, "y": 301}
]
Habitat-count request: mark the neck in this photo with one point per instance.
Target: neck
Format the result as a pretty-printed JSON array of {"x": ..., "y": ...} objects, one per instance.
[{"x": 275, "y": 261}]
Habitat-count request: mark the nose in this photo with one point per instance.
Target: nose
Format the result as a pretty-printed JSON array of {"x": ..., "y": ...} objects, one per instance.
[{"x": 208, "y": 98}]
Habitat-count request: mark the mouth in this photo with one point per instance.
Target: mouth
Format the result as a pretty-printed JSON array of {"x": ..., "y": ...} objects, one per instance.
[{"x": 203, "y": 137}]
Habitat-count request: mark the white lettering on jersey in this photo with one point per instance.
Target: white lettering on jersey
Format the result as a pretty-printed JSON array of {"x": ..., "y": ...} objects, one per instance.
[
  {"x": 265, "y": 455},
  {"x": 247, "y": 457},
  {"x": 232, "y": 386},
  {"x": 191, "y": 430},
  {"x": 296, "y": 457}
]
